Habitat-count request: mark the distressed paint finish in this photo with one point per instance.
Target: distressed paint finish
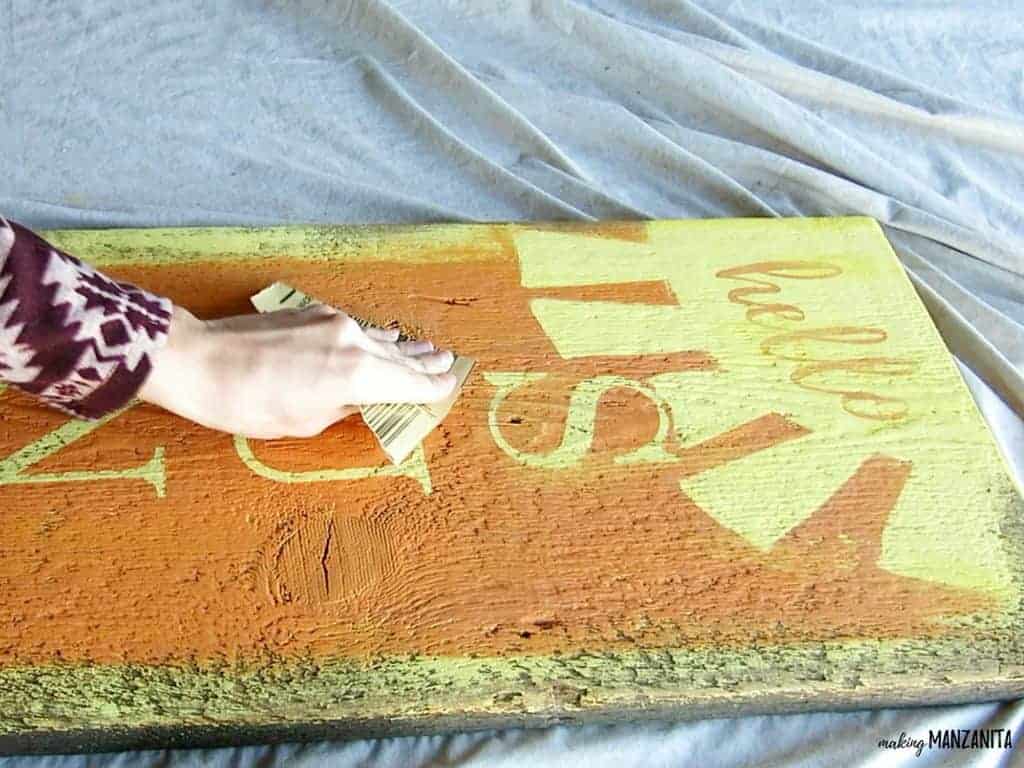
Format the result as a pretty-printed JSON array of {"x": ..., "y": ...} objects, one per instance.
[{"x": 703, "y": 468}]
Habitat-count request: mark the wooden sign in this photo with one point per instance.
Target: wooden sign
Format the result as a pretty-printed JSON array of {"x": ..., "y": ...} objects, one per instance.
[{"x": 700, "y": 468}]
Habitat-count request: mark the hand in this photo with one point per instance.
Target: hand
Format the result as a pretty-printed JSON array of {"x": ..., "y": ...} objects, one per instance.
[{"x": 288, "y": 373}]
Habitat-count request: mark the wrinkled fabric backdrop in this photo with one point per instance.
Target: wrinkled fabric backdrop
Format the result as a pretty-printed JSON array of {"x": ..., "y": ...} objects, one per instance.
[{"x": 242, "y": 112}]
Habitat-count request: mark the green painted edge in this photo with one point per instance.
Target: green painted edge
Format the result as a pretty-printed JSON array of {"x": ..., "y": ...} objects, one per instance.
[
  {"x": 318, "y": 242},
  {"x": 185, "y": 245},
  {"x": 65, "y": 697},
  {"x": 57, "y": 706}
]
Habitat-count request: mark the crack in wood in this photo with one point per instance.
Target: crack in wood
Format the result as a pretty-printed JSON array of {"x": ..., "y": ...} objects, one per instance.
[{"x": 325, "y": 555}]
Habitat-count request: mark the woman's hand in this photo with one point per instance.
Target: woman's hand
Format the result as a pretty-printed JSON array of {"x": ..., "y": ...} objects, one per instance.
[{"x": 288, "y": 373}]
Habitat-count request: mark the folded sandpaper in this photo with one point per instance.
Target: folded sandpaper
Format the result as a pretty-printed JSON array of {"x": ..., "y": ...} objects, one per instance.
[{"x": 398, "y": 427}]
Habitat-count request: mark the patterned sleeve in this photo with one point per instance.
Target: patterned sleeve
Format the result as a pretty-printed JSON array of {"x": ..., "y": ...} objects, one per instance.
[{"x": 77, "y": 340}]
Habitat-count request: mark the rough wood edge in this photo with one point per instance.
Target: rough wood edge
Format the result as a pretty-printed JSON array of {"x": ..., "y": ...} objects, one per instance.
[{"x": 45, "y": 742}]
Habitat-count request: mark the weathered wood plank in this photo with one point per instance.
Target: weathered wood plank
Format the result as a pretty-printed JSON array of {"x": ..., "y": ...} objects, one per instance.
[{"x": 703, "y": 468}]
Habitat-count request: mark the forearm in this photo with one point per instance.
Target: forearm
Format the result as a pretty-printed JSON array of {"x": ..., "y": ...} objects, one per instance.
[
  {"x": 88, "y": 345},
  {"x": 72, "y": 337}
]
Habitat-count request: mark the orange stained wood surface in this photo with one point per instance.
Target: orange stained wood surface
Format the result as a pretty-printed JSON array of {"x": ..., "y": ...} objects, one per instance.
[{"x": 505, "y": 534}]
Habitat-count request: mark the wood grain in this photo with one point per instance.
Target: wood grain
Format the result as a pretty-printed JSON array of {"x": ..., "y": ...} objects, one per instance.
[{"x": 701, "y": 468}]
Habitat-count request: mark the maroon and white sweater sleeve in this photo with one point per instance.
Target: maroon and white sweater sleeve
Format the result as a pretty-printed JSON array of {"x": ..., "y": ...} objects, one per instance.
[{"x": 77, "y": 340}]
